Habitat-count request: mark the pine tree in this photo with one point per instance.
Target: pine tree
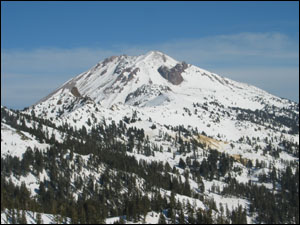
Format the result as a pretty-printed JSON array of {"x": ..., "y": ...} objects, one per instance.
[
  {"x": 39, "y": 219},
  {"x": 13, "y": 216},
  {"x": 181, "y": 217},
  {"x": 191, "y": 218},
  {"x": 182, "y": 163},
  {"x": 121, "y": 221},
  {"x": 199, "y": 218},
  {"x": 162, "y": 219},
  {"x": 23, "y": 218},
  {"x": 187, "y": 188}
]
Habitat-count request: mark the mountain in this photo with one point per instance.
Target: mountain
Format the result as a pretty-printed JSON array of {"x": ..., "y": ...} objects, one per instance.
[
  {"x": 145, "y": 138},
  {"x": 141, "y": 80},
  {"x": 170, "y": 92}
]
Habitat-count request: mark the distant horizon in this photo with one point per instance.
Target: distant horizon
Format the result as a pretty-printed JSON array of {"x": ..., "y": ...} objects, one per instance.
[{"x": 251, "y": 42}]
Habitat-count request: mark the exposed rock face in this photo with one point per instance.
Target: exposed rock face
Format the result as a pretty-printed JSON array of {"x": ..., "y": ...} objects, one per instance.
[
  {"x": 128, "y": 78},
  {"x": 173, "y": 75},
  {"x": 107, "y": 60},
  {"x": 147, "y": 90},
  {"x": 133, "y": 73},
  {"x": 103, "y": 72},
  {"x": 75, "y": 92}
]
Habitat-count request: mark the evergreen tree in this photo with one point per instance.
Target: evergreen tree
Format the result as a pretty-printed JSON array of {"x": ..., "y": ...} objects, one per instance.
[
  {"x": 162, "y": 219},
  {"x": 182, "y": 163},
  {"x": 181, "y": 217},
  {"x": 13, "y": 216},
  {"x": 23, "y": 218},
  {"x": 39, "y": 219}
]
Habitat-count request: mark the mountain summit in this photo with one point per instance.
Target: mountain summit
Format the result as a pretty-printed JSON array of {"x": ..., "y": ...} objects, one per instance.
[
  {"x": 158, "y": 86},
  {"x": 117, "y": 78},
  {"x": 156, "y": 78}
]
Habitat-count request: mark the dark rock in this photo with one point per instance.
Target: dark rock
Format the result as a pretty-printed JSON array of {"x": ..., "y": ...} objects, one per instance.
[
  {"x": 173, "y": 75},
  {"x": 133, "y": 73},
  {"x": 107, "y": 60},
  {"x": 103, "y": 72},
  {"x": 75, "y": 92}
]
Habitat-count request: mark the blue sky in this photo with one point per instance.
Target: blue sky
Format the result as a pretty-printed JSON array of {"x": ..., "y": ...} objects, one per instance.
[{"x": 43, "y": 44}]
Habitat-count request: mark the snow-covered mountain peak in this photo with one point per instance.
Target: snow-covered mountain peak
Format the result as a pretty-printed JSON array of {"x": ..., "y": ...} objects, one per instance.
[
  {"x": 113, "y": 79},
  {"x": 154, "y": 132},
  {"x": 154, "y": 54},
  {"x": 156, "y": 79}
]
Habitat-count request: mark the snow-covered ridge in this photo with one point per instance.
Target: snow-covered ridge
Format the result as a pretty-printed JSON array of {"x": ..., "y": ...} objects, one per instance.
[
  {"x": 112, "y": 80},
  {"x": 135, "y": 83},
  {"x": 187, "y": 121}
]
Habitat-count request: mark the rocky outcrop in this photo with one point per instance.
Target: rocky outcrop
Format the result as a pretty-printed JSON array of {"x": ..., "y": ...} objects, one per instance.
[
  {"x": 133, "y": 73},
  {"x": 103, "y": 72},
  {"x": 147, "y": 90},
  {"x": 75, "y": 92},
  {"x": 108, "y": 60},
  {"x": 173, "y": 75},
  {"x": 128, "y": 78}
]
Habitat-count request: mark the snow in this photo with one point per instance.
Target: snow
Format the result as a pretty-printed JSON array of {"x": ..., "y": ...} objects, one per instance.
[
  {"x": 164, "y": 107},
  {"x": 151, "y": 218},
  {"x": 15, "y": 143},
  {"x": 198, "y": 83},
  {"x": 165, "y": 104},
  {"x": 31, "y": 217}
]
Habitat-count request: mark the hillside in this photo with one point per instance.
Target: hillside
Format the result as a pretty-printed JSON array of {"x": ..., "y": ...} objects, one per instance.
[{"x": 147, "y": 138}]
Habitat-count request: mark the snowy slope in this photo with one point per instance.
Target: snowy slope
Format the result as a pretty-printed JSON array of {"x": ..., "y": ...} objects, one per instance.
[
  {"x": 31, "y": 217},
  {"x": 156, "y": 93},
  {"x": 15, "y": 143},
  {"x": 119, "y": 85},
  {"x": 132, "y": 86},
  {"x": 112, "y": 80}
]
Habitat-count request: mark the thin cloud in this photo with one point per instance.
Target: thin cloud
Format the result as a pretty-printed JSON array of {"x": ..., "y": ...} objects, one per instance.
[
  {"x": 282, "y": 81},
  {"x": 51, "y": 60},
  {"x": 270, "y": 46}
]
